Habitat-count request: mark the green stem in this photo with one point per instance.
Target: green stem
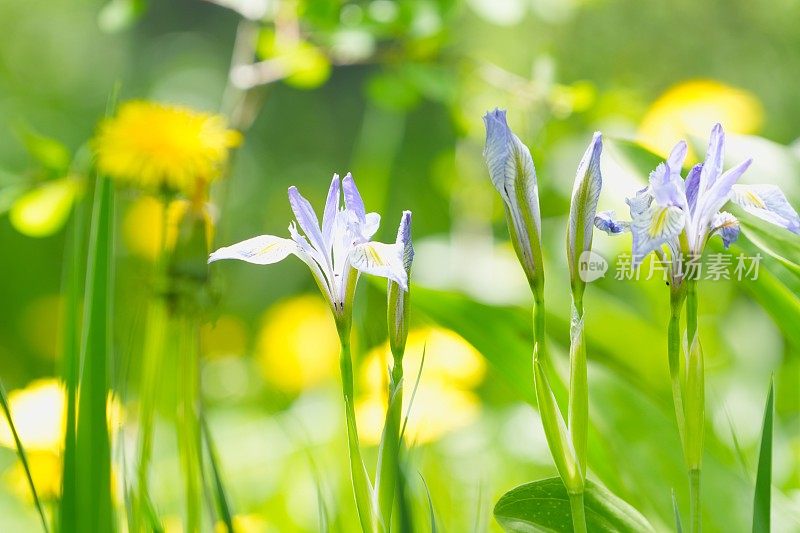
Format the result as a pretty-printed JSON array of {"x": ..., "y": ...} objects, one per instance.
[
  {"x": 539, "y": 325},
  {"x": 388, "y": 454},
  {"x": 694, "y": 496},
  {"x": 578, "y": 406},
  {"x": 578, "y": 512},
  {"x": 358, "y": 473},
  {"x": 691, "y": 309},
  {"x": 674, "y": 357},
  {"x": 188, "y": 428}
]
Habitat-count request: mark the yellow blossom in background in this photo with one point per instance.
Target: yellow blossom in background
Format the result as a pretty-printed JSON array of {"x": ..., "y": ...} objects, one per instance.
[
  {"x": 445, "y": 399},
  {"x": 226, "y": 336},
  {"x": 297, "y": 346},
  {"x": 143, "y": 225},
  {"x": 245, "y": 523},
  {"x": 156, "y": 146},
  {"x": 692, "y": 108},
  {"x": 38, "y": 412},
  {"x": 46, "y": 470}
]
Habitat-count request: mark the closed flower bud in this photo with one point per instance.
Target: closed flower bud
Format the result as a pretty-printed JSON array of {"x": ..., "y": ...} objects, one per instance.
[{"x": 513, "y": 175}]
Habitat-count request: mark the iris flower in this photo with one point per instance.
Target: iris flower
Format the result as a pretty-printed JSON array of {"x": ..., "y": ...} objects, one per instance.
[
  {"x": 335, "y": 252},
  {"x": 683, "y": 214}
]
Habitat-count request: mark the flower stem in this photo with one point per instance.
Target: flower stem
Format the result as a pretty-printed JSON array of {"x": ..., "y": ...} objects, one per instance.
[
  {"x": 694, "y": 496},
  {"x": 539, "y": 325},
  {"x": 361, "y": 485},
  {"x": 188, "y": 427},
  {"x": 389, "y": 452},
  {"x": 578, "y": 406},
  {"x": 578, "y": 512},
  {"x": 691, "y": 309},
  {"x": 674, "y": 355}
]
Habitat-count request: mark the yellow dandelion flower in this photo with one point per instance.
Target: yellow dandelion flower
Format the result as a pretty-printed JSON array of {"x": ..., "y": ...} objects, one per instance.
[
  {"x": 693, "y": 107},
  {"x": 142, "y": 225},
  {"x": 155, "y": 146}
]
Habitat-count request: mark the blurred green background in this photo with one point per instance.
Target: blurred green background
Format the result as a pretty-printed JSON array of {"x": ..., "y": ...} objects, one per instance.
[{"x": 394, "y": 92}]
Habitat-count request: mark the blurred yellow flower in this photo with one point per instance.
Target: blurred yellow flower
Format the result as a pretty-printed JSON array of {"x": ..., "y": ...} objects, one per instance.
[
  {"x": 245, "y": 523},
  {"x": 39, "y": 415},
  {"x": 38, "y": 412},
  {"x": 46, "y": 473},
  {"x": 297, "y": 346},
  {"x": 142, "y": 226},
  {"x": 226, "y": 336},
  {"x": 156, "y": 146},
  {"x": 692, "y": 108},
  {"x": 445, "y": 399}
]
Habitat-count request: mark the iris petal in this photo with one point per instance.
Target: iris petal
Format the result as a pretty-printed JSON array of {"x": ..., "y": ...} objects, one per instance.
[
  {"x": 331, "y": 208},
  {"x": 655, "y": 227},
  {"x": 261, "y": 250},
  {"x": 767, "y": 202},
  {"x": 726, "y": 226},
  {"x": 352, "y": 198},
  {"x": 606, "y": 221},
  {"x": 380, "y": 259},
  {"x": 307, "y": 219}
]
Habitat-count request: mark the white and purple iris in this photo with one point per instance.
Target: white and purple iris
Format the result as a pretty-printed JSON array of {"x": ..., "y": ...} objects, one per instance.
[
  {"x": 683, "y": 214},
  {"x": 336, "y": 251}
]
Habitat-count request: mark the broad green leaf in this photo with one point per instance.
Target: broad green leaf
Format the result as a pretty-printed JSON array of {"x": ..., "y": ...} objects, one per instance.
[
  {"x": 762, "y": 498},
  {"x": 499, "y": 333},
  {"x": 636, "y": 157},
  {"x": 543, "y": 506}
]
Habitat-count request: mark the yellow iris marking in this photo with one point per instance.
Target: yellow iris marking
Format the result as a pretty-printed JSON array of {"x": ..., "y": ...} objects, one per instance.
[
  {"x": 374, "y": 256},
  {"x": 267, "y": 249},
  {"x": 659, "y": 221},
  {"x": 754, "y": 199}
]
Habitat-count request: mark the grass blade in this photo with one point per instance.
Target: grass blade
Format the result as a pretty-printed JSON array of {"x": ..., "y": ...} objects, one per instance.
[
  {"x": 432, "y": 512},
  {"x": 677, "y": 512},
  {"x": 761, "y": 500},
  {"x": 22, "y": 456},
  {"x": 94, "y": 510},
  {"x": 220, "y": 494},
  {"x": 74, "y": 266}
]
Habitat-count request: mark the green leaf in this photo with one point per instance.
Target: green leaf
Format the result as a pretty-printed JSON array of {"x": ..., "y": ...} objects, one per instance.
[
  {"x": 94, "y": 509},
  {"x": 49, "y": 153},
  {"x": 638, "y": 159},
  {"x": 501, "y": 334},
  {"x": 543, "y": 506},
  {"x": 72, "y": 283},
  {"x": 762, "y": 498},
  {"x": 22, "y": 456}
]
